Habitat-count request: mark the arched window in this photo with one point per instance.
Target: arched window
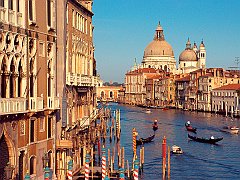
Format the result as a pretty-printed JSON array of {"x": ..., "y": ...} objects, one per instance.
[
  {"x": 50, "y": 159},
  {"x": 3, "y": 79},
  {"x": 20, "y": 71},
  {"x": 32, "y": 165},
  {"x": 12, "y": 80},
  {"x": 49, "y": 79},
  {"x": 111, "y": 94},
  {"x": 102, "y": 94},
  {"x": 31, "y": 79},
  {"x": 165, "y": 68}
]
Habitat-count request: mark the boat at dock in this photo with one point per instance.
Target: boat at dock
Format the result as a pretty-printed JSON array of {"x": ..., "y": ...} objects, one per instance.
[
  {"x": 176, "y": 150},
  {"x": 210, "y": 140},
  {"x": 230, "y": 129},
  {"x": 142, "y": 141}
]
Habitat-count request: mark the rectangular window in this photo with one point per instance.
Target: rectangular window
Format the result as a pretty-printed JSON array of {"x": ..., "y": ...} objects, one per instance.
[
  {"x": 49, "y": 127},
  {"x": 30, "y": 10},
  {"x": 49, "y": 14},
  {"x": 42, "y": 124},
  {"x": 10, "y": 4},
  {"x": 18, "y": 6},
  {"x": 32, "y": 130},
  {"x": 2, "y": 3}
]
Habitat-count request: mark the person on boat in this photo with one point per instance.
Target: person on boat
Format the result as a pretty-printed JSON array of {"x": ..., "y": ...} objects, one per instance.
[
  {"x": 155, "y": 122},
  {"x": 188, "y": 123},
  {"x": 212, "y": 137}
]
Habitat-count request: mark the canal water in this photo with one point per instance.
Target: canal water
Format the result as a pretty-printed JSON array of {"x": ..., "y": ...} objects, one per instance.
[{"x": 199, "y": 160}]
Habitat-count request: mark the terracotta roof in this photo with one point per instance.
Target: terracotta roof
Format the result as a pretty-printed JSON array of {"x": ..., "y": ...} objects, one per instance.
[
  {"x": 207, "y": 75},
  {"x": 142, "y": 70},
  {"x": 153, "y": 76},
  {"x": 229, "y": 87},
  {"x": 186, "y": 78}
]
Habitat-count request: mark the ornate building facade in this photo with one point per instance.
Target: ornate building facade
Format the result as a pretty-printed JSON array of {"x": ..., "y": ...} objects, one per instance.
[
  {"x": 78, "y": 92},
  {"x": 29, "y": 102}
]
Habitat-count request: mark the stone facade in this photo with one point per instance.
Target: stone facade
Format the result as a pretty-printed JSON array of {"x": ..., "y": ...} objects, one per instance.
[{"x": 29, "y": 102}]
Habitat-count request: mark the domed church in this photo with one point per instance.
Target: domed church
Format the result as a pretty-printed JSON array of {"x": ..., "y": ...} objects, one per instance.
[
  {"x": 192, "y": 58},
  {"x": 159, "y": 54}
]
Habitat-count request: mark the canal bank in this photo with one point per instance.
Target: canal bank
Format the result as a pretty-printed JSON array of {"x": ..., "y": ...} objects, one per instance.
[{"x": 199, "y": 161}]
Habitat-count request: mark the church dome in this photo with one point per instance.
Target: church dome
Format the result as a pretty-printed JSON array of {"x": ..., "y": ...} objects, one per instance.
[
  {"x": 158, "y": 47},
  {"x": 188, "y": 54}
]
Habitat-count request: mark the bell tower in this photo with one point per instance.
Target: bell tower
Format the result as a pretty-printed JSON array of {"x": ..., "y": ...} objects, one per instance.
[{"x": 202, "y": 56}]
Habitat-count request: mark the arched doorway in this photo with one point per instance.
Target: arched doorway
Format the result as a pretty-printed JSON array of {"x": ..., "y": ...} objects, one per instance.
[{"x": 4, "y": 156}]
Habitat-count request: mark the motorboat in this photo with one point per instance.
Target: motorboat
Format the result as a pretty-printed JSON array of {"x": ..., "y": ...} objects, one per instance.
[
  {"x": 176, "y": 149},
  {"x": 210, "y": 140},
  {"x": 148, "y": 111},
  {"x": 230, "y": 129}
]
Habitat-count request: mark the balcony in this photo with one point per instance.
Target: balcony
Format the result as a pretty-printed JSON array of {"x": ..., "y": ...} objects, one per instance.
[
  {"x": 2, "y": 14},
  {"x": 12, "y": 105},
  {"x": 64, "y": 144},
  {"x": 53, "y": 102},
  {"x": 81, "y": 80},
  {"x": 11, "y": 18},
  {"x": 36, "y": 104},
  {"x": 19, "y": 19}
]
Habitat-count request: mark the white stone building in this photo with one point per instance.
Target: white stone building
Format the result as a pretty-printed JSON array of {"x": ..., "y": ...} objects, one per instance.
[
  {"x": 159, "y": 53},
  {"x": 192, "y": 58},
  {"x": 225, "y": 99}
]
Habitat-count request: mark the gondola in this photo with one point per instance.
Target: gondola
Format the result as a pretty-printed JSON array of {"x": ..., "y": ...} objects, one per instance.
[
  {"x": 145, "y": 140},
  {"x": 190, "y": 128},
  {"x": 205, "y": 140},
  {"x": 155, "y": 127}
]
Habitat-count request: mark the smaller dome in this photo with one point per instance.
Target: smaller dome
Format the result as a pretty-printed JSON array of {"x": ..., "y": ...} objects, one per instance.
[{"x": 188, "y": 55}]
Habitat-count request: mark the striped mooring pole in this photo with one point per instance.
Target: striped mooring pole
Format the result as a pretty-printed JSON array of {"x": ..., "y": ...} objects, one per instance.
[
  {"x": 87, "y": 161},
  {"x": 134, "y": 139},
  {"x": 103, "y": 163},
  {"x": 121, "y": 175},
  {"x": 70, "y": 167},
  {"x": 135, "y": 172}
]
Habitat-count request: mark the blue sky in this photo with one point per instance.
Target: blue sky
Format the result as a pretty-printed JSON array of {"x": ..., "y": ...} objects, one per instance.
[{"x": 123, "y": 29}]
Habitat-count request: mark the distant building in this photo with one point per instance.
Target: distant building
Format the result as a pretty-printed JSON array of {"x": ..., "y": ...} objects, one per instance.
[
  {"x": 108, "y": 93},
  {"x": 226, "y": 100},
  {"x": 192, "y": 58}
]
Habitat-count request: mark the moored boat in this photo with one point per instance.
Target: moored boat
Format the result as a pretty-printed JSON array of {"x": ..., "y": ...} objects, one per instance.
[
  {"x": 210, "y": 140},
  {"x": 230, "y": 129},
  {"x": 176, "y": 149},
  {"x": 145, "y": 140}
]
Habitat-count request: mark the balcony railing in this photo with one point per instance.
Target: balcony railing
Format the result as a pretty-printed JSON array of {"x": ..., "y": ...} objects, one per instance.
[
  {"x": 11, "y": 18},
  {"x": 2, "y": 14},
  {"x": 81, "y": 80},
  {"x": 53, "y": 102},
  {"x": 35, "y": 103},
  {"x": 19, "y": 19},
  {"x": 12, "y": 105}
]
